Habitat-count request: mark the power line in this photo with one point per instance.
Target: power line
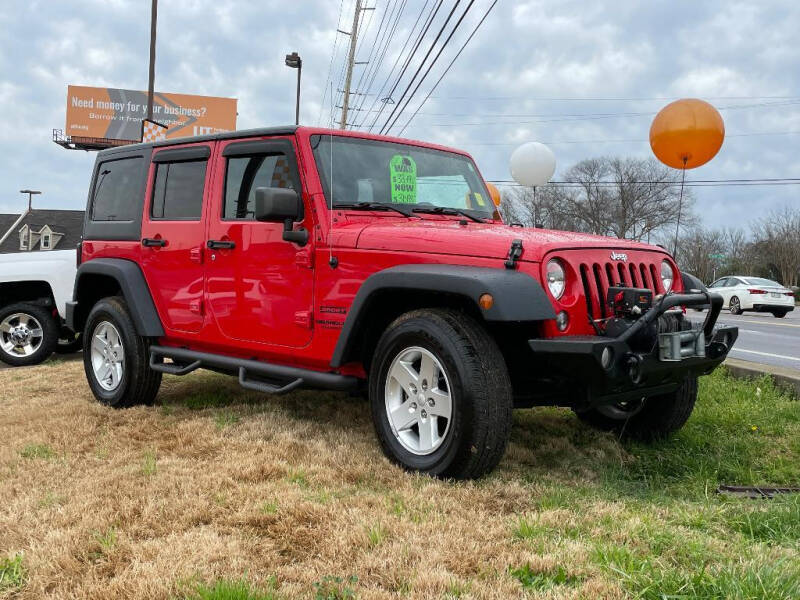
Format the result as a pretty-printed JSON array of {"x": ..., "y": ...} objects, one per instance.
[
  {"x": 410, "y": 57},
  {"x": 553, "y": 143},
  {"x": 690, "y": 183},
  {"x": 383, "y": 45},
  {"x": 377, "y": 96},
  {"x": 455, "y": 58},
  {"x": 330, "y": 65},
  {"x": 421, "y": 64},
  {"x": 432, "y": 64}
]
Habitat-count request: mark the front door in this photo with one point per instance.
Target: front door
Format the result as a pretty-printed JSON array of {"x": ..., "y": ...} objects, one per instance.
[
  {"x": 173, "y": 234},
  {"x": 259, "y": 287}
]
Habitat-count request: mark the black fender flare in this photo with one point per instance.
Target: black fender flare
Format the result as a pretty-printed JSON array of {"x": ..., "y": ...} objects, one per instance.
[
  {"x": 135, "y": 290},
  {"x": 517, "y": 296},
  {"x": 690, "y": 282}
]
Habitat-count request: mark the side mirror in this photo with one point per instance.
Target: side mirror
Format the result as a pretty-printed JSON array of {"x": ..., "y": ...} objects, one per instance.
[{"x": 275, "y": 205}]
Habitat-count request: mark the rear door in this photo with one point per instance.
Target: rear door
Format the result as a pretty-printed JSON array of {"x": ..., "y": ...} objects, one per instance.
[
  {"x": 260, "y": 288},
  {"x": 173, "y": 233}
]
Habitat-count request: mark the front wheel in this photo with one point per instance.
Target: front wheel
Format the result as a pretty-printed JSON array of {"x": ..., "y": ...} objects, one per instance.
[
  {"x": 440, "y": 395},
  {"x": 28, "y": 334},
  {"x": 648, "y": 419},
  {"x": 116, "y": 358}
]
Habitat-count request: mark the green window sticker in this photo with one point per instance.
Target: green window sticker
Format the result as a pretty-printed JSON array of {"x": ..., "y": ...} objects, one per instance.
[
  {"x": 479, "y": 199},
  {"x": 403, "y": 173}
]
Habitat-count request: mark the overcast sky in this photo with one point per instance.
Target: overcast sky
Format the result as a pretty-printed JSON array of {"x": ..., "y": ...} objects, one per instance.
[{"x": 556, "y": 71}]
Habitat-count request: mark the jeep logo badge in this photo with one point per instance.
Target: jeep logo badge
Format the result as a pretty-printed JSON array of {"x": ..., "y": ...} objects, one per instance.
[{"x": 619, "y": 256}]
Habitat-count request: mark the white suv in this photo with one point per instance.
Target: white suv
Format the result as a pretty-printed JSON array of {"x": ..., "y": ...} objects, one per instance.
[{"x": 754, "y": 293}]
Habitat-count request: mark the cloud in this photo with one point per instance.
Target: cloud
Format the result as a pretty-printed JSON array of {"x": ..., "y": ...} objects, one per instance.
[{"x": 566, "y": 72}]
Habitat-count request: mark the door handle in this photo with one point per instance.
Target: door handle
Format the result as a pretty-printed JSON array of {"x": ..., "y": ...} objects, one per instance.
[
  {"x": 220, "y": 245},
  {"x": 153, "y": 242}
]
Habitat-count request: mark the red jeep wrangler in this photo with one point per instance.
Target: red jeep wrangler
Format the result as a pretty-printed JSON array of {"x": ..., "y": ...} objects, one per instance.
[{"x": 337, "y": 260}]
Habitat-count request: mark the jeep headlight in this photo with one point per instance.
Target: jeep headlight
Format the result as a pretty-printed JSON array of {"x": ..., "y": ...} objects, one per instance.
[
  {"x": 666, "y": 275},
  {"x": 556, "y": 279}
]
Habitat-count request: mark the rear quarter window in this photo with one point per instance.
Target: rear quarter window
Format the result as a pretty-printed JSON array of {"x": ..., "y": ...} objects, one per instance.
[{"x": 116, "y": 190}]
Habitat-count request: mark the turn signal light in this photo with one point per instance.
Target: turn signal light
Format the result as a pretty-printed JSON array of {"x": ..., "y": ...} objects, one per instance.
[{"x": 486, "y": 301}]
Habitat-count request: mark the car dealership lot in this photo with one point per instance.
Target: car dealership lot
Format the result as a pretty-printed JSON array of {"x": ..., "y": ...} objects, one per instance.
[{"x": 763, "y": 338}]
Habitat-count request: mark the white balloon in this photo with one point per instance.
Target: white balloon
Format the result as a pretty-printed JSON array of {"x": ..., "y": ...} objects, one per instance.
[{"x": 532, "y": 164}]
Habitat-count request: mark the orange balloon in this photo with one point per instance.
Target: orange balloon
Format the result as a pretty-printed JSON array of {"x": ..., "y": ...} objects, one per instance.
[
  {"x": 494, "y": 193},
  {"x": 687, "y": 133}
]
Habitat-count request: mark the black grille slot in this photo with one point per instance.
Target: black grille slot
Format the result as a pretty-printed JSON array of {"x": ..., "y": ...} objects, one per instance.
[
  {"x": 602, "y": 290},
  {"x": 587, "y": 292}
]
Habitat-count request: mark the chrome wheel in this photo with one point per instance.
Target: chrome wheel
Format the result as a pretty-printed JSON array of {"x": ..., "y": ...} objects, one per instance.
[
  {"x": 108, "y": 356},
  {"x": 21, "y": 335},
  {"x": 418, "y": 401},
  {"x": 735, "y": 306}
]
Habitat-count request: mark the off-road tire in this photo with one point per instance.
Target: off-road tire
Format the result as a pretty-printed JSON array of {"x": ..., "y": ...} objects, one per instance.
[
  {"x": 49, "y": 337},
  {"x": 652, "y": 418},
  {"x": 139, "y": 384},
  {"x": 656, "y": 419},
  {"x": 480, "y": 391}
]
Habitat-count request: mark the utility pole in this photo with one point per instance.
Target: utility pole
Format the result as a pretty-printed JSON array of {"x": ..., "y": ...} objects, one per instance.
[
  {"x": 351, "y": 57},
  {"x": 152, "y": 76}
]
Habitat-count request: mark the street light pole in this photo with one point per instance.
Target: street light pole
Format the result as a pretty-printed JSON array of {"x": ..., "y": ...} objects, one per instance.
[
  {"x": 294, "y": 61},
  {"x": 30, "y": 196},
  {"x": 152, "y": 74}
]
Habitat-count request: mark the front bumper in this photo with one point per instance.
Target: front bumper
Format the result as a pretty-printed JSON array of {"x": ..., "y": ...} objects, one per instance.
[{"x": 610, "y": 370}]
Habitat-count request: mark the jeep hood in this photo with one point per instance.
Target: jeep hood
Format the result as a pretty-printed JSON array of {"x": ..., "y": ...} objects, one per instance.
[{"x": 490, "y": 240}]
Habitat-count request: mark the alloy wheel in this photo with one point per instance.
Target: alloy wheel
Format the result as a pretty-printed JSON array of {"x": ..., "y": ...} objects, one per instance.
[
  {"x": 418, "y": 400},
  {"x": 107, "y": 356}
]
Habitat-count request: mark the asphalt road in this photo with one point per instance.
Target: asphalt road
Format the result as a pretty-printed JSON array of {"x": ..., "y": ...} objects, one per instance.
[{"x": 763, "y": 338}]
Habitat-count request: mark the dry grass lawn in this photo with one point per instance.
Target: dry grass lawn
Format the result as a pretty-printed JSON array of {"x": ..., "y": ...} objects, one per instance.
[{"x": 219, "y": 493}]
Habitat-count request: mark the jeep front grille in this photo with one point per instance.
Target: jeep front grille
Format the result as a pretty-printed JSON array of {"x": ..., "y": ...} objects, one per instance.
[{"x": 598, "y": 277}]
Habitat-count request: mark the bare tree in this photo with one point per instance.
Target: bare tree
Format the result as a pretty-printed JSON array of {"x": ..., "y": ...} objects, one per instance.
[
  {"x": 626, "y": 197},
  {"x": 777, "y": 238},
  {"x": 699, "y": 251}
]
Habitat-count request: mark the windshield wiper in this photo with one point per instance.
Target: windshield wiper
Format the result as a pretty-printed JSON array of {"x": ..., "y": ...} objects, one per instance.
[
  {"x": 375, "y": 206},
  {"x": 446, "y": 210}
]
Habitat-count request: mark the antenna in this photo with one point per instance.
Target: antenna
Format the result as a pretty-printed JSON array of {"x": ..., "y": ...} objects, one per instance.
[{"x": 332, "y": 260}]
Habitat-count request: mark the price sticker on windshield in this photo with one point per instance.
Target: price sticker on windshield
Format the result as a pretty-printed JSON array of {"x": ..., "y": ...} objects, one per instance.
[{"x": 403, "y": 173}]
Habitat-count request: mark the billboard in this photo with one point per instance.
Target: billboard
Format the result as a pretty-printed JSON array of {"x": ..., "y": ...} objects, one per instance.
[{"x": 117, "y": 114}]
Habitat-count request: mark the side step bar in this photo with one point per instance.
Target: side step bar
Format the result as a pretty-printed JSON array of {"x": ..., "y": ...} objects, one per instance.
[{"x": 293, "y": 377}]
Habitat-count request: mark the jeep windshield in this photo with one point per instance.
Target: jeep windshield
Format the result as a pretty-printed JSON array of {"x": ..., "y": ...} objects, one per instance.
[{"x": 358, "y": 173}]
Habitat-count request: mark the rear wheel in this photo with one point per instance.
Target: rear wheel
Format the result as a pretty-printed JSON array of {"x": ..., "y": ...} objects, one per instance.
[
  {"x": 440, "y": 395},
  {"x": 779, "y": 313},
  {"x": 28, "y": 334},
  {"x": 735, "y": 306},
  {"x": 116, "y": 358}
]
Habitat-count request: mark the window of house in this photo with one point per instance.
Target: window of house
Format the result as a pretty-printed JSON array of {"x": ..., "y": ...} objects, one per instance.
[
  {"x": 178, "y": 191},
  {"x": 115, "y": 190},
  {"x": 45, "y": 244},
  {"x": 247, "y": 173},
  {"x": 23, "y": 239}
]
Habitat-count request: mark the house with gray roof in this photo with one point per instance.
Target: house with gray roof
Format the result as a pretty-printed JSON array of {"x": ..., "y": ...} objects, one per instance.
[{"x": 40, "y": 230}]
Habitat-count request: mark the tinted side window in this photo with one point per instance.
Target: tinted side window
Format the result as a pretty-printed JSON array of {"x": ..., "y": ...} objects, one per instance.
[
  {"x": 246, "y": 173},
  {"x": 178, "y": 191},
  {"x": 116, "y": 189}
]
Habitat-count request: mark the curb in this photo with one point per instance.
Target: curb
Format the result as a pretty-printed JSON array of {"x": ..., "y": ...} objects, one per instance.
[{"x": 788, "y": 379}]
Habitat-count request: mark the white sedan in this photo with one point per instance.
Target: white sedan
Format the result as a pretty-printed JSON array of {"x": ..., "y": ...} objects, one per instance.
[{"x": 754, "y": 293}]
